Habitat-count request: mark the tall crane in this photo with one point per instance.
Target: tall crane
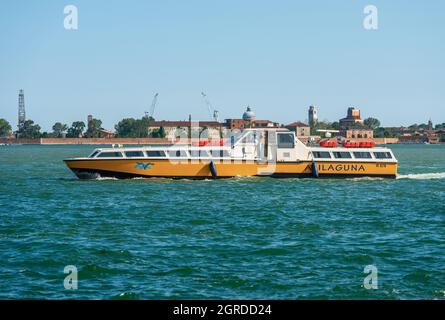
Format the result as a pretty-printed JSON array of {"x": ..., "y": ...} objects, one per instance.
[
  {"x": 212, "y": 113},
  {"x": 152, "y": 107}
]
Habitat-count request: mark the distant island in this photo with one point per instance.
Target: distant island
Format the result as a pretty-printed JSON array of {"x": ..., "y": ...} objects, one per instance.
[{"x": 149, "y": 130}]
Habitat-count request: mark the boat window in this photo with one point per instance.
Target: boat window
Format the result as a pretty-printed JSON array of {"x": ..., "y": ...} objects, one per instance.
[
  {"x": 194, "y": 153},
  {"x": 94, "y": 154},
  {"x": 285, "y": 140},
  {"x": 134, "y": 154},
  {"x": 155, "y": 153},
  {"x": 220, "y": 153},
  {"x": 199, "y": 153},
  {"x": 321, "y": 155},
  {"x": 249, "y": 138},
  {"x": 342, "y": 155},
  {"x": 177, "y": 153},
  {"x": 114, "y": 154},
  {"x": 362, "y": 155},
  {"x": 382, "y": 155}
]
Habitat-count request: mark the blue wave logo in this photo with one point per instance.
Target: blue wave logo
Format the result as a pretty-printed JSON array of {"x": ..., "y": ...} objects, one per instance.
[{"x": 144, "y": 166}]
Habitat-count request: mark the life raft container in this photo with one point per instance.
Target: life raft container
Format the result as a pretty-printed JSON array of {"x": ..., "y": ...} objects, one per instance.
[
  {"x": 328, "y": 144},
  {"x": 359, "y": 144},
  {"x": 203, "y": 143}
]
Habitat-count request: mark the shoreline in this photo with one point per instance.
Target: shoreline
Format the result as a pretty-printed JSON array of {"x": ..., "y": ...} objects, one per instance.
[{"x": 144, "y": 141}]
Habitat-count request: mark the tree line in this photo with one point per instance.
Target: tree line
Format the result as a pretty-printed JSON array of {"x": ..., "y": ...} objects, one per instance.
[
  {"x": 138, "y": 128},
  {"x": 370, "y": 122},
  {"x": 31, "y": 130},
  {"x": 126, "y": 128}
]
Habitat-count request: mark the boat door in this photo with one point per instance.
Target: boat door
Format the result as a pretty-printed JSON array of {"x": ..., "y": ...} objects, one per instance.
[{"x": 286, "y": 147}]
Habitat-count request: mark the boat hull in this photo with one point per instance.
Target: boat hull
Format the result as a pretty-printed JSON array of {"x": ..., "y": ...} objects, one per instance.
[{"x": 200, "y": 169}]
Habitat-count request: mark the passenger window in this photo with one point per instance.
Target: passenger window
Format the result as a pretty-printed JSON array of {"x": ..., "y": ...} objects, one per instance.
[
  {"x": 199, "y": 153},
  {"x": 94, "y": 154},
  {"x": 362, "y": 155},
  {"x": 194, "y": 153},
  {"x": 382, "y": 155},
  {"x": 177, "y": 153},
  {"x": 285, "y": 140},
  {"x": 134, "y": 154},
  {"x": 225, "y": 154},
  {"x": 249, "y": 138},
  {"x": 342, "y": 155},
  {"x": 220, "y": 153},
  {"x": 110, "y": 155},
  {"x": 321, "y": 155},
  {"x": 155, "y": 153}
]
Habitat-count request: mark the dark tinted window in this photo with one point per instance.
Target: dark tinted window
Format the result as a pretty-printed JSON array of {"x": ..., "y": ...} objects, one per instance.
[
  {"x": 285, "y": 140},
  {"x": 177, "y": 153},
  {"x": 321, "y": 155},
  {"x": 110, "y": 155},
  {"x": 220, "y": 153},
  {"x": 382, "y": 155},
  {"x": 362, "y": 155},
  {"x": 199, "y": 153},
  {"x": 131, "y": 154},
  {"x": 155, "y": 153},
  {"x": 342, "y": 155},
  {"x": 94, "y": 154}
]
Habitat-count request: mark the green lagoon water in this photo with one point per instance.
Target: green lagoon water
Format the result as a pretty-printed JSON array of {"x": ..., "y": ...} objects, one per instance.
[{"x": 252, "y": 238}]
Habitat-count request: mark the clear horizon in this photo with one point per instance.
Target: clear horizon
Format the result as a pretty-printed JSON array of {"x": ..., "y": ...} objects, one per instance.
[{"x": 278, "y": 58}]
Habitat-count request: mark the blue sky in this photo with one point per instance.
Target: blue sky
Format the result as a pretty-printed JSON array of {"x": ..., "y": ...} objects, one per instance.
[{"x": 276, "y": 56}]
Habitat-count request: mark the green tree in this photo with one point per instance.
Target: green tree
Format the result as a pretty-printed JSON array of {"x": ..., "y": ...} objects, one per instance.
[
  {"x": 132, "y": 128},
  {"x": 93, "y": 128},
  {"x": 324, "y": 125},
  {"x": 373, "y": 123},
  {"x": 76, "y": 129},
  {"x": 160, "y": 133},
  {"x": 29, "y": 130},
  {"x": 148, "y": 118},
  {"x": 439, "y": 126},
  {"x": 5, "y": 128},
  {"x": 59, "y": 129}
]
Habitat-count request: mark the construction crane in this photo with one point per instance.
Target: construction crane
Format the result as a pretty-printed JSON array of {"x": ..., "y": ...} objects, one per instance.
[
  {"x": 213, "y": 113},
  {"x": 152, "y": 107}
]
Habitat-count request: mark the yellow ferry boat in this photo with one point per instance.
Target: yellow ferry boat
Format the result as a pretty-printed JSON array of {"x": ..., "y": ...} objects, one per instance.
[{"x": 255, "y": 152}]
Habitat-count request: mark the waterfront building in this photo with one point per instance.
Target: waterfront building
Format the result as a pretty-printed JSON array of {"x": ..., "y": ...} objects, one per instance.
[
  {"x": 352, "y": 119},
  {"x": 249, "y": 120},
  {"x": 233, "y": 124},
  {"x": 184, "y": 129},
  {"x": 208, "y": 129},
  {"x": 301, "y": 129},
  {"x": 358, "y": 133},
  {"x": 249, "y": 115},
  {"x": 104, "y": 133},
  {"x": 430, "y": 125},
  {"x": 312, "y": 116}
]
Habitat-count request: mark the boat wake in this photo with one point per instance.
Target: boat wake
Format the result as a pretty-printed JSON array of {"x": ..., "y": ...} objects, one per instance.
[
  {"x": 422, "y": 176},
  {"x": 104, "y": 178}
]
